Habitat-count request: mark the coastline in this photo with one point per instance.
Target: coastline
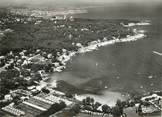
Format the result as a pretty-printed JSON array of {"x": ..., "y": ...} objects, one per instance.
[
  {"x": 94, "y": 45},
  {"x": 52, "y": 57},
  {"x": 142, "y": 23},
  {"x": 64, "y": 56}
]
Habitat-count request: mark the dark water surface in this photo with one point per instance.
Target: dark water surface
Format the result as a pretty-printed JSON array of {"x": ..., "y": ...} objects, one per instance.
[{"x": 131, "y": 67}]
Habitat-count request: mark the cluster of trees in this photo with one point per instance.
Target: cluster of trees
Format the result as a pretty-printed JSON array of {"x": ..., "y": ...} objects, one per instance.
[
  {"x": 72, "y": 112},
  {"x": 7, "y": 81},
  {"x": 10, "y": 80},
  {"x": 90, "y": 105}
]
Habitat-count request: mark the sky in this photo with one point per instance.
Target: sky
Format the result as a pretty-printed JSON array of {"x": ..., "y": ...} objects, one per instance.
[
  {"x": 3, "y": 2},
  {"x": 75, "y": 3}
]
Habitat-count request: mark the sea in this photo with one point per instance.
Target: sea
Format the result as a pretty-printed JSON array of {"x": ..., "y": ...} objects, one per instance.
[{"x": 130, "y": 67}]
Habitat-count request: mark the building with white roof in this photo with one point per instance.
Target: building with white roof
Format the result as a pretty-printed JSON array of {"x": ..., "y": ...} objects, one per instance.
[{"x": 13, "y": 111}]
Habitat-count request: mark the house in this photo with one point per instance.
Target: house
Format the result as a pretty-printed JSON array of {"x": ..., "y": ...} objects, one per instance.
[
  {"x": 8, "y": 97},
  {"x": 13, "y": 111},
  {"x": 28, "y": 80},
  {"x": 31, "y": 87},
  {"x": 22, "y": 92}
]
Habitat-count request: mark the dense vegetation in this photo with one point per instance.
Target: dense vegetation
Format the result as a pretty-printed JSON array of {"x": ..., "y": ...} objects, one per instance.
[
  {"x": 53, "y": 109},
  {"x": 29, "y": 32}
]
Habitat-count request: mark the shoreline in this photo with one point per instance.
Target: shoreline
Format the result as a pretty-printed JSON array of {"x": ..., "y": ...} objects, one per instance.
[
  {"x": 107, "y": 97},
  {"x": 142, "y": 23},
  {"x": 66, "y": 55},
  {"x": 94, "y": 45}
]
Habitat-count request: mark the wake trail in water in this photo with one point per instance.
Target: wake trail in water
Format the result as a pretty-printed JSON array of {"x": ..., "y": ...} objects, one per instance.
[{"x": 157, "y": 53}]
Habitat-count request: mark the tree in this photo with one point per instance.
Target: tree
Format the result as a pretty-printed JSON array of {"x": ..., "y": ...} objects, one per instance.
[
  {"x": 48, "y": 68},
  {"x": 84, "y": 102},
  {"x": 37, "y": 77},
  {"x": 91, "y": 101},
  {"x": 16, "y": 100},
  {"x": 2, "y": 63},
  {"x": 36, "y": 67},
  {"x": 75, "y": 109},
  {"x": 88, "y": 100},
  {"x": 106, "y": 109},
  {"x": 96, "y": 105},
  {"x": 62, "y": 104},
  {"x": 116, "y": 111},
  {"x": 69, "y": 95},
  {"x": 120, "y": 105},
  {"x": 45, "y": 90},
  {"x": 88, "y": 107},
  {"x": 3, "y": 89},
  {"x": 25, "y": 72}
]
